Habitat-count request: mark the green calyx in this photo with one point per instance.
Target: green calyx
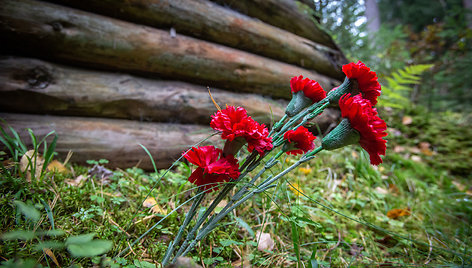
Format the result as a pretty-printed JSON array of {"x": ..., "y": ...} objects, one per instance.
[
  {"x": 298, "y": 103},
  {"x": 348, "y": 86},
  {"x": 341, "y": 136},
  {"x": 232, "y": 147}
]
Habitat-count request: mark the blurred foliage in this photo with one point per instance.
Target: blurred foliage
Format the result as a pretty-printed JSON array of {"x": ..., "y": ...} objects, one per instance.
[
  {"x": 443, "y": 140},
  {"x": 412, "y": 33},
  {"x": 418, "y": 14}
]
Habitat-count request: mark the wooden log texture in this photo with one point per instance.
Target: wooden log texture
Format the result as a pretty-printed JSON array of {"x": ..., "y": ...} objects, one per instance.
[
  {"x": 52, "y": 31},
  {"x": 112, "y": 139},
  {"x": 285, "y": 14},
  {"x": 209, "y": 21},
  {"x": 35, "y": 86}
]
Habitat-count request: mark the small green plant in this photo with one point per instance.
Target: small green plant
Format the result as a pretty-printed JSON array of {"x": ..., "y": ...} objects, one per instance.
[
  {"x": 97, "y": 162},
  {"x": 78, "y": 246},
  {"x": 400, "y": 85},
  {"x": 31, "y": 165}
]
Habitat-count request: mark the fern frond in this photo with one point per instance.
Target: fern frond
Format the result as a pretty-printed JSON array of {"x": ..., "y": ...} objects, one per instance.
[{"x": 400, "y": 84}]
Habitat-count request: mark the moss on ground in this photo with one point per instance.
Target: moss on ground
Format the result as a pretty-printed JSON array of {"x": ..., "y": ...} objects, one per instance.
[{"x": 339, "y": 219}]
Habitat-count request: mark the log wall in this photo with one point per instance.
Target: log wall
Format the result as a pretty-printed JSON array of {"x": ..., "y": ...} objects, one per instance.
[{"x": 134, "y": 68}]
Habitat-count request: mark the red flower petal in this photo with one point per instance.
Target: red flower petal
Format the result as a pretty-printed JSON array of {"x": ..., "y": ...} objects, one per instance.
[
  {"x": 369, "y": 85},
  {"x": 301, "y": 138},
  {"x": 211, "y": 170},
  {"x": 234, "y": 122},
  {"x": 365, "y": 119},
  {"x": 203, "y": 156},
  {"x": 311, "y": 88},
  {"x": 228, "y": 165}
]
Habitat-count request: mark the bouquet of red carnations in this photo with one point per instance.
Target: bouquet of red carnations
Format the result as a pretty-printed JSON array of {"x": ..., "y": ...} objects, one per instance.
[{"x": 216, "y": 167}]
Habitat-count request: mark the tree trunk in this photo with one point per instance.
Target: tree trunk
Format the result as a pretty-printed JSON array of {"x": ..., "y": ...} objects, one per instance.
[
  {"x": 284, "y": 14},
  {"x": 115, "y": 140},
  {"x": 196, "y": 18},
  {"x": 468, "y": 15},
  {"x": 372, "y": 15},
  {"x": 70, "y": 35},
  {"x": 35, "y": 86}
]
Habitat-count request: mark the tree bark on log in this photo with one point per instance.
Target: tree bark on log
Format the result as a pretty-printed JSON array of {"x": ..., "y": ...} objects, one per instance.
[
  {"x": 212, "y": 22},
  {"x": 65, "y": 34},
  {"x": 115, "y": 140},
  {"x": 284, "y": 14},
  {"x": 35, "y": 86}
]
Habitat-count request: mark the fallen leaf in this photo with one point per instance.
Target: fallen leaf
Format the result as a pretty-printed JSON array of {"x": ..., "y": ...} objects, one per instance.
[
  {"x": 393, "y": 188},
  {"x": 265, "y": 242},
  {"x": 398, "y": 149},
  {"x": 407, "y": 120},
  {"x": 31, "y": 161},
  {"x": 154, "y": 206},
  {"x": 78, "y": 181},
  {"x": 295, "y": 188},
  {"x": 398, "y": 212},
  {"x": 459, "y": 186},
  {"x": 57, "y": 166},
  {"x": 381, "y": 190},
  {"x": 220, "y": 206},
  {"x": 424, "y": 148},
  {"x": 414, "y": 150},
  {"x": 354, "y": 154},
  {"x": 51, "y": 255}
]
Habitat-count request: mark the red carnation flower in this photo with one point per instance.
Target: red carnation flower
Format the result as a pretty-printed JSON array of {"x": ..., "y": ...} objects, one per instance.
[
  {"x": 367, "y": 80},
  {"x": 234, "y": 122},
  {"x": 300, "y": 140},
  {"x": 363, "y": 118},
  {"x": 211, "y": 168},
  {"x": 311, "y": 89}
]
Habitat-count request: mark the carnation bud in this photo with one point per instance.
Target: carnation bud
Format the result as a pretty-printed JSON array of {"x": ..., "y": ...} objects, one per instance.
[{"x": 344, "y": 134}]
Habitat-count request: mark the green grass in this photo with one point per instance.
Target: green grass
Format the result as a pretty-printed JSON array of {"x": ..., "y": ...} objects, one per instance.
[{"x": 339, "y": 220}]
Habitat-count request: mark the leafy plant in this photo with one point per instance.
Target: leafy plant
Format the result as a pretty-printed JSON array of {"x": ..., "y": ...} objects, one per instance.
[
  {"x": 78, "y": 246},
  {"x": 33, "y": 164},
  {"x": 400, "y": 85}
]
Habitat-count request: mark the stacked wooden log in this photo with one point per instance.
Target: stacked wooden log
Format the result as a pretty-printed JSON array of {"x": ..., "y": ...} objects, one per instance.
[{"x": 114, "y": 73}]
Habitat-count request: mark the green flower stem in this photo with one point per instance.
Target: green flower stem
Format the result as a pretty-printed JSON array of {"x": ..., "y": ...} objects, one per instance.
[
  {"x": 221, "y": 195},
  {"x": 243, "y": 189},
  {"x": 235, "y": 197},
  {"x": 313, "y": 114},
  {"x": 307, "y": 115},
  {"x": 278, "y": 124},
  {"x": 213, "y": 205},
  {"x": 260, "y": 188},
  {"x": 321, "y": 104},
  {"x": 190, "y": 214},
  {"x": 248, "y": 166},
  {"x": 152, "y": 228},
  {"x": 218, "y": 199}
]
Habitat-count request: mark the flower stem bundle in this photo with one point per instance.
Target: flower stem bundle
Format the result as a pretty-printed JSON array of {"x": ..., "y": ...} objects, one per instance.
[{"x": 219, "y": 169}]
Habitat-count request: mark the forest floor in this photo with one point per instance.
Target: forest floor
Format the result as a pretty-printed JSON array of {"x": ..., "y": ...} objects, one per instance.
[{"x": 337, "y": 210}]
